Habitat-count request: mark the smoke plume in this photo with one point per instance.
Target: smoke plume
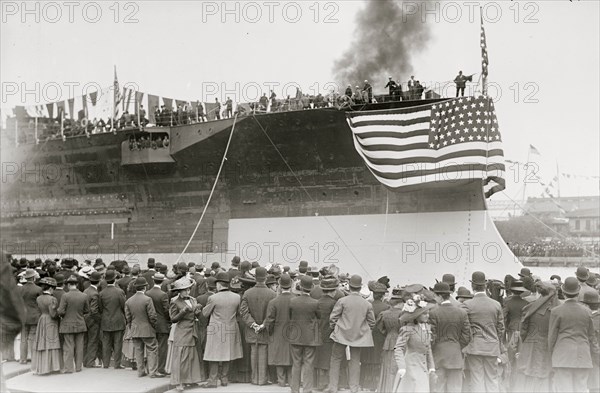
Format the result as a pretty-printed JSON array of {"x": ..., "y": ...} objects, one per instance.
[{"x": 387, "y": 34}]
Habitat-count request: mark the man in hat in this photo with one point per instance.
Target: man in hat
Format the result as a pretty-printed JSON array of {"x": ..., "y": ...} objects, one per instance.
[
  {"x": 200, "y": 278},
  {"x": 74, "y": 306},
  {"x": 211, "y": 285},
  {"x": 141, "y": 319},
  {"x": 148, "y": 274},
  {"x": 234, "y": 269},
  {"x": 59, "y": 291},
  {"x": 525, "y": 272},
  {"x": 571, "y": 340},
  {"x": 125, "y": 279},
  {"x": 392, "y": 86},
  {"x": 463, "y": 294},
  {"x": 303, "y": 336},
  {"x": 276, "y": 323},
  {"x": 451, "y": 281},
  {"x": 583, "y": 274},
  {"x": 352, "y": 319},
  {"x": 512, "y": 309},
  {"x": 111, "y": 304},
  {"x": 253, "y": 310},
  {"x": 160, "y": 300},
  {"x": 29, "y": 293},
  {"x": 371, "y": 357},
  {"x": 592, "y": 300},
  {"x": 92, "y": 321},
  {"x": 223, "y": 343},
  {"x": 487, "y": 326},
  {"x": 135, "y": 273},
  {"x": 451, "y": 333}
]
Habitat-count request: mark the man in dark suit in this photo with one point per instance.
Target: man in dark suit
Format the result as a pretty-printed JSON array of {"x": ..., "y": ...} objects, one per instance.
[
  {"x": 29, "y": 293},
  {"x": 451, "y": 333},
  {"x": 141, "y": 318},
  {"x": 253, "y": 310},
  {"x": 512, "y": 309},
  {"x": 160, "y": 301},
  {"x": 92, "y": 321},
  {"x": 303, "y": 335},
  {"x": 331, "y": 294},
  {"x": 73, "y": 308},
  {"x": 148, "y": 274},
  {"x": 135, "y": 273},
  {"x": 487, "y": 328},
  {"x": 571, "y": 341},
  {"x": 278, "y": 316},
  {"x": 112, "y": 323},
  {"x": 123, "y": 282},
  {"x": 59, "y": 291}
]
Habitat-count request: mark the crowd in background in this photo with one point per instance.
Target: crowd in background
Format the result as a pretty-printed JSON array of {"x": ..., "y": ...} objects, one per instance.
[
  {"x": 319, "y": 329},
  {"x": 553, "y": 248}
]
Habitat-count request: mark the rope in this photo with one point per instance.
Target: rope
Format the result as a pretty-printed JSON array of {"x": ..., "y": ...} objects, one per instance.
[
  {"x": 211, "y": 191},
  {"x": 309, "y": 196}
]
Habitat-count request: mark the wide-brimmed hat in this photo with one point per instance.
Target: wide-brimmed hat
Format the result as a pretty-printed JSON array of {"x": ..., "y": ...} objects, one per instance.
[
  {"x": 158, "y": 277},
  {"x": 478, "y": 278},
  {"x": 140, "y": 282},
  {"x": 48, "y": 281},
  {"x": 86, "y": 271},
  {"x": 313, "y": 272},
  {"x": 591, "y": 297},
  {"x": 306, "y": 283},
  {"x": 463, "y": 292},
  {"x": 571, "y": 286},
  {"x": 355, "y": 282},
  {"x": 223, "y": 277},
  {"x": 413, "y": 308},
  {"x": 517, "y": 285},
  {"x": 377, "y": 287},
  {"x": 441, "y": 288},
  {"x": 525, "y": 272},
  {"x": 285, "y": 281},
  {"x": 329, "y": 284},
  {"x": 110, "y": 275},
  {"x": 582, "y": 273},
  {"x": 182, "y": 283},
  {"x": 29, "y": 273}
]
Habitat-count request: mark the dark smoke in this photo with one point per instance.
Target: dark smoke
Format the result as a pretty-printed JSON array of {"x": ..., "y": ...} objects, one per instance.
[{"x": 384, "y": 42}]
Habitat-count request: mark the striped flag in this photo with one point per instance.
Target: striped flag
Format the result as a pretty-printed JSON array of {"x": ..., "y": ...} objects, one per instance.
[
  {"x": 117, "y": 98},
  {"x": 432, "y": 144}
]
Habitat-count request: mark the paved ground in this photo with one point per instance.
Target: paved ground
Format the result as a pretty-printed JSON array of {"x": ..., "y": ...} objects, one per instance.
[
  {"x": 12, "y": 369},
  {"x": 238, "y": 388},
  {"x": 92, "y": 380}
]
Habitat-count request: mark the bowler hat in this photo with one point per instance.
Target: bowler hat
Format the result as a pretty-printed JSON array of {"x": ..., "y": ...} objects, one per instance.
[
  {"x": 211, "y": 282},
  {"x": 72, "y": 280},
  {"x": 255, "y": 264},
  {"x": 463, "y": 292},
  {"x": 158, "y": 277},
  {"x": 182, "y": 283},
  {"x": 285, "y": 281},
  {"x": 48, "y": 281},
  {"x": 591, "y": 297},
  {"x": 110, "y": 275},
  {"x": 126, "y": 270},
  {"x": 271, "y": 279},
  {"x": 29, "y": 273},
  {"x": 449, "y": 279},
  {"x": 478, "y": 278},
  {"x": 60, "y": 279},
  {"x": 571, "y": 286},
  {"x": 235, "y": 261},
  {"x": 95, "y": 277},
  {"x": 140, "y": 282},
  {"x": 306, "y": 283},
  {"x": 260, "y": 274},
  {"x": 329, "y": 284},
  {"x": 355, "y": 282},
  {"x": 592, "y": 281},
  {"x": 223, "y": 277},
  {"x": 441, "y": 287},
  {"x": 517, "y": 286},
  {"x": 582, "y": 273},
  {"x": 525, "y": 272},
  {"x": 303, "y": 267}
]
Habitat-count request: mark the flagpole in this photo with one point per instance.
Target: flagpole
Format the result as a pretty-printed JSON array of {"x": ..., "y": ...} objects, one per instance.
[
  {"x": 525, "y": 177},
  {"x": 557, "y": 179},
  {"x": 114, "y": 102},
  {"x": 484, "y": 56},
  {"x": 62, "y": 125}
]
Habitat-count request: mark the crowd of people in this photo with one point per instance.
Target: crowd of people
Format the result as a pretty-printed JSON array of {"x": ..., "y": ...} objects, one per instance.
[
  {"x": 148, "y": 142},
  {"x": 553, "y": 248},
  {"x": 316, "y": 328}
]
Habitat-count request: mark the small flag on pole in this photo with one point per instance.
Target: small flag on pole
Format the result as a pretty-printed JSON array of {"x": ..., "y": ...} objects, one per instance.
[
  {"x": 533, "y": 150},
  {"x": 484, "y": 58}
]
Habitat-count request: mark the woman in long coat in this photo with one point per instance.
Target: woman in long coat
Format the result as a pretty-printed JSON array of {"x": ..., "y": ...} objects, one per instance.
[
  {"x": 534, "y": 361},
  {"x": 413, "y": 347},
  {"x": 388, "y": 325},
  {"x": 46, "y": 355},
  {"x": 185, "y": 362}
]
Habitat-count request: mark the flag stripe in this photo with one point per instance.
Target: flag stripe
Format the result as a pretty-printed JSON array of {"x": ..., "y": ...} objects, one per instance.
[{"x": 458, "y": 154}]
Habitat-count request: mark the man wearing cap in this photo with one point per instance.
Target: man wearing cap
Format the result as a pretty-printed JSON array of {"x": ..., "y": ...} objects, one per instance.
[
  {"x": 352, "y": 319},
  {"x": 223, "y": 343},
  {"x": 592, "y": 300},
  {"x": 571, "y": 340},
  {"x": 487, "y": 327},
  {"x": 29, "y": 293},
  {"x": 451, "y": 333},
  {"x": 111, "y": 304},
  {"x": 276, "y": 324},
  {"x": 160, "y": 301},
  {"x": 92, "y": 321},
  {"x": 74, "y": 306},
  {"x": 253, "y": 310},
  {"x": 141, "y": 319},
  {"x": 303, "y": 336},
  {"x": 583, "y": 274}
]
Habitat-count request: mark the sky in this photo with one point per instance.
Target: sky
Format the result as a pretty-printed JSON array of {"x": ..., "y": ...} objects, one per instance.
[{"x": 543, "y": 72}]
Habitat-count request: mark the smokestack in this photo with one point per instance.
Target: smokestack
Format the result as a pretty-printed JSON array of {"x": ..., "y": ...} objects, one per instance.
[{"x": 387, "y": 34}]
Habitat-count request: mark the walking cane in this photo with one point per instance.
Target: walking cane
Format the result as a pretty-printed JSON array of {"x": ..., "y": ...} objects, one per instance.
[{"x": 396, "y": 384}]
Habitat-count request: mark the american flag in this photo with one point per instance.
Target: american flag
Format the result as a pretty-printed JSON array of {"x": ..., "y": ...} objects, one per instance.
[{"x": 448, "y": 141}]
